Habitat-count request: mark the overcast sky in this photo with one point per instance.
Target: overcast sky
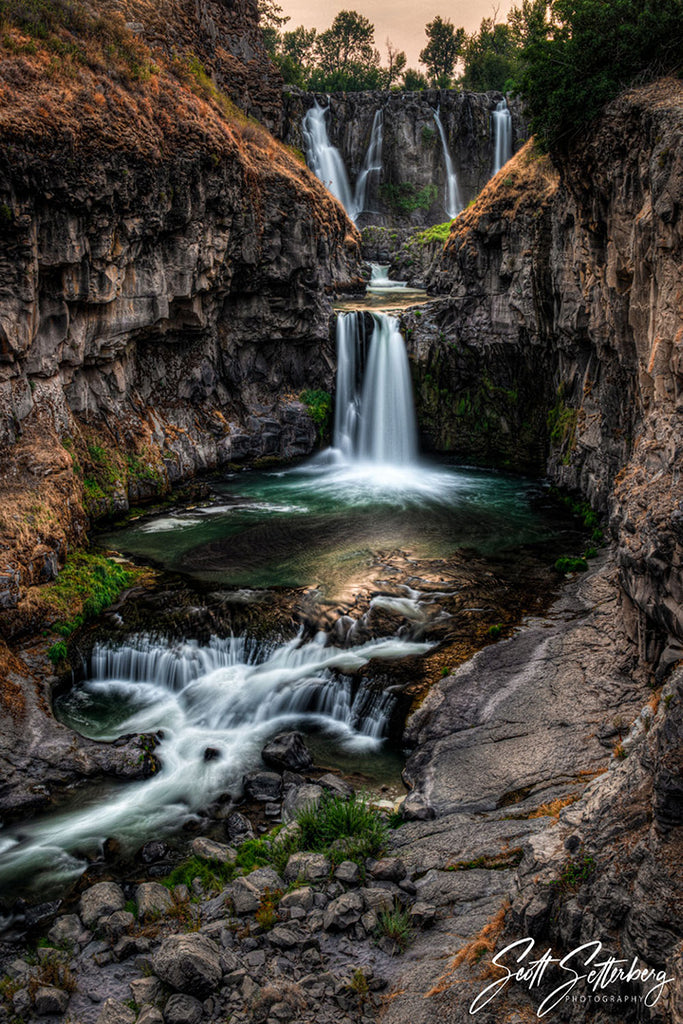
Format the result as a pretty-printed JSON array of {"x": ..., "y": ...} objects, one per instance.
[{"x": 403, "y": 21}]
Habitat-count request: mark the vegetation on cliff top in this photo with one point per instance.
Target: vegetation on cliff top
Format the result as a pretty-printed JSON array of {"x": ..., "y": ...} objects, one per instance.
[{"x": 582, "y": 53}]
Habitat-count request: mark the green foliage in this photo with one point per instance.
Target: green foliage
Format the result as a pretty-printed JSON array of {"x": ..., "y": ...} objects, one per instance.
[
  {"x": 428, "y": 135},
  {"x": 6, "y": 215},
  {"x": 267, "y": 914},
  {"x": 319, "y": 405},
  {"x": 395, "y": 820},
  {"x": 395, "y": 925},
  {"x": 414, "y": 81},
  {"x": 436, "y": 233},
  {"x": 584, "y": 52},
  {"x": 440, "y": 55},
  {"x": 353, "y": 825},
  {"x": 495, "y": 631},
  {"x": 568, "y": 563},
  {"x": 490, "y": 57},
  {"x": 575, "y": 872},
  {"x": 562, "y": 423},
  {"x": 58, "y": 653},
  {"x": 88, "y": 583},
  {"x": 405, "y": 197},
  {"x": 213, "y": 875}
]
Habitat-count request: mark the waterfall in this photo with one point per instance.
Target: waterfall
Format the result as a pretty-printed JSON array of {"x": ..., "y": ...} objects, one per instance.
[
  {"x": 326, "y": 161},
  {"x": 323, "y": 158},
  {"x": 453, "y": 204},
  {"x": 213, "y": 706},
  {"x": 374, "y": 418},
  {"x": 502, "y": 135},
  {"x": 371, "y": 165},
  {"x": 380, "y": 280}
]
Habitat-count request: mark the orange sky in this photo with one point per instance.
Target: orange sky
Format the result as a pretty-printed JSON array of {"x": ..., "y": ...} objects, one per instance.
[{"x": 403, "y": 21}]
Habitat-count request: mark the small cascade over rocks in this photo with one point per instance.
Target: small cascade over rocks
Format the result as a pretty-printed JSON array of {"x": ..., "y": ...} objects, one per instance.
[
  {"x": 380, "y": 280},
  {"x": 453, "y": 203},
  {"x": 374, "y": 415},
  {"x": 214, "y": 706},
  {"x": 502, "y": 135},
  {"x": 327, "y": 163}
]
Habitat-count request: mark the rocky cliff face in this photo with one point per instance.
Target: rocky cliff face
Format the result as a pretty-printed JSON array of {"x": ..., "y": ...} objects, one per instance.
[
  {"x": 411, "y": 188},
  {"x": 222, "y": 34},
  {"x": 563, "y": 295},
  {"x": 165, "y": 265}
]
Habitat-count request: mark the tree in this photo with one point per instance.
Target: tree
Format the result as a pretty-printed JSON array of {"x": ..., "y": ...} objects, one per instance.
[
  {"x": 396, "y": 64},
  {"x": 414, "y": 81},
  {"x": 345, "y": 55},
  {"x": 442, "y": 51},
  {"x": 489, "y": 57},
  {"x": 271, "y": 20},
  {"x": 585, "y": 52}
]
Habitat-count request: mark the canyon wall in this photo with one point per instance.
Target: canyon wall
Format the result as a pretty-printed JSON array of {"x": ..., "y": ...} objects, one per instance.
[
  {"x": 559, "y": 334},
  {"x": 165, "y": 270},
  {"x": 411, "y": 188}
]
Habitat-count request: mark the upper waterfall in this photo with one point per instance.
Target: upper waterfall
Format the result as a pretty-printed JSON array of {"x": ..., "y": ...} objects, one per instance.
[
  {"x": 453, "y": 202},
  {"x": 327, "y": 163},
  {"x": 502, "y": 135}
]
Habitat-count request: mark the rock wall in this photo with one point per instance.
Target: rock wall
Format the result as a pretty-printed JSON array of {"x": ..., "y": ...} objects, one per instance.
[
  {"x": 412, "y": 151},
  {"x": 576, "y": 275},
  {"x": 165, "y": 267},
  {"x": 562, "y": 290}
]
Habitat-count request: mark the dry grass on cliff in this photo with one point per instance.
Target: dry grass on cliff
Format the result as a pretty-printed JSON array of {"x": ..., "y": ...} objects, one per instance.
[
  {"x": 473, "y": 952},
  {"x": 526, "y": 183}
]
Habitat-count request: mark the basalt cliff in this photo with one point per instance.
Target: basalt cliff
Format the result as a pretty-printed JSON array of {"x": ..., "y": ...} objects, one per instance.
[{"x": 165, "y": 274}]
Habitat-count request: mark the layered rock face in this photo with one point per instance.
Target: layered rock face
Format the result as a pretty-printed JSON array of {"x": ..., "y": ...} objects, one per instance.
[
  {"x": 411, "y": 189},
  {"x": 223, "y": 35},
  {"x": 165, "y": 266},
  {"x": 578, "y": 276},
  {"x": 563, "y": 295}
]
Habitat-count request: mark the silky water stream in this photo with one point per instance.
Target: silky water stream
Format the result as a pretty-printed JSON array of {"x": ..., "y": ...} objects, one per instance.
[{"x": 364, "y": 537}]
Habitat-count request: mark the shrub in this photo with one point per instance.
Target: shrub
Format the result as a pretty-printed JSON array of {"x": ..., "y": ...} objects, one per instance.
[
  {"x": 88, "y": 583},
  {"x": 405, "y": 197},
  {"x": 567, "y": 564},
  {"x": 319, "y": 405},
  {"x": 358, "y": 830},
  {"x": 586, "y": 52},
  {"x": 213, "y": 875},
  {"x": 395, "y": 925},
  {"x": 574, "y": 873}
]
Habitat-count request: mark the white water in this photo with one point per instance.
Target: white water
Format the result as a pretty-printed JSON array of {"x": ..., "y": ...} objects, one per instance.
[
  {"x": 380, "y": 280},
  {"x": 326, "y": 161},
  {"x": 229, "y": 696},
  {"x": 375, "y": 419},
  {"x": 453, "y": 202},
  {"x": 502, "y": 135}
]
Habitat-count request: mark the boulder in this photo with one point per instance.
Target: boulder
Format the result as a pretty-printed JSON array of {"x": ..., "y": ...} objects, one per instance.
[
  {"x": 183, "y": 1009},
  {"x": 283, "y": 938},
  {"x": 298, "y": 899},
  {"x": 422, "y": 915},
  {"x": 299, "y": 798},
  {"x": 416, "y": 807},
  {"x": 336, "y": 786},
  {"x": 145, "y": 990},
  {"x": 343, "y": 912},
  {"x": 153, "y": 900},
  {"x": 377, "y": 899},
  {"x": 287, "y": 752},
  {"x": 209, "y": 849},
  {"x": 248, "y": 892},
  {"x": 66, "y": 931},
  {"x": 150, "y": 1015},
  {"x": 348, "y": 872},
  {"x": 188, "y": 963},
  {"x": 99, "y": 901},
  {"x": 388, "y": 869},
  {"x": 307, "y": 867},
  {"x": 115, "y": 1012},
  {"x": 262, "y": 786},
  {"x": 238, "y": 828},
  {"x": 115, "y": 925},
  {"x": 49, "y": 1000}
]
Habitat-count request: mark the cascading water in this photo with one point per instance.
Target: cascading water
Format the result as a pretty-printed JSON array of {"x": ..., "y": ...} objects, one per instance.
[
  {"x": 502, "y": 135},
  {"x": 371, "y": 165},
  {"x": 380, "y": 280},
  {"x": 215, "y": 706},
  {"x": 375, "y": 420},
  {"x": 453, "y": 202},
  {"x": 326, "y": 161}
]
